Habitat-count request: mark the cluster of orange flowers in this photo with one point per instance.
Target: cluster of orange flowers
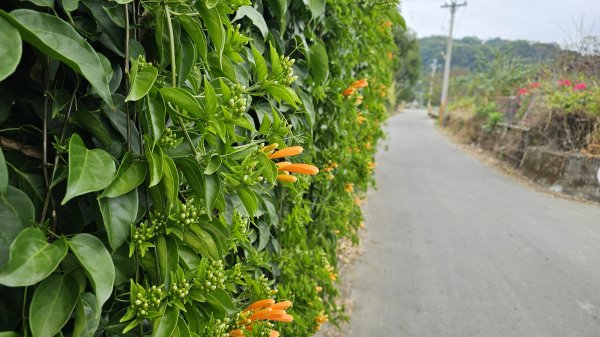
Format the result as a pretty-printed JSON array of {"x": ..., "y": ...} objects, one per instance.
[
  {"x": 332, "y": 274},
  {"x": 371, "y": 166},
  {"x": 355, "y": 86},
  {"x": 264, "y": 310},
  {"x": 388, "y": 24},
  {"x": 284, "y": 168},
  {"x": 349, "y": 187},
  {"x": 383, "y": 90},
  {"x": 360, "y": 119},
  {"x": 329, "y": 169},
  {"x": 320, "y": 319},
  {"x": 330, "y": 166}
]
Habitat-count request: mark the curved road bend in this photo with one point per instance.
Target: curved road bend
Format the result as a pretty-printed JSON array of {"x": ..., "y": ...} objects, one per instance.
[{"x": 455, "y": 249}]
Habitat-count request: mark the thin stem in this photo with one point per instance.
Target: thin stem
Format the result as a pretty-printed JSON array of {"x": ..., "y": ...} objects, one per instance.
[
  {"x": 24, "y": 313},
  {"x": 127, "y": 73},
  {"x": 57, "y": 157},
  {"x": 127, "y": 39},
  {"x": 174, "y": 79},
  {"x": 45, "y": 121}
]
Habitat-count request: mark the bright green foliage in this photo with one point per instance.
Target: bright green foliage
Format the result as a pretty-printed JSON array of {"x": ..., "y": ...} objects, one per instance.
[{"x": 137, "y": 195}]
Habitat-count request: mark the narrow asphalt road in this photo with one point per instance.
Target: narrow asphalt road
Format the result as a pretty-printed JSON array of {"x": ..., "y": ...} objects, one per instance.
[{"x": 454, "y": 248}]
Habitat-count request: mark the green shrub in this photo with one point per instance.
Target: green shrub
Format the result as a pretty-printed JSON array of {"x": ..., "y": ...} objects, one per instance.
[{"x": 493, "y": 119}]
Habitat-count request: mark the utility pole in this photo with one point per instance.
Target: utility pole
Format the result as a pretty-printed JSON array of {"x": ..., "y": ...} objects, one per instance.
[
  {"x": 444, "y": 100},
  {"x": 434, "y": 65}
]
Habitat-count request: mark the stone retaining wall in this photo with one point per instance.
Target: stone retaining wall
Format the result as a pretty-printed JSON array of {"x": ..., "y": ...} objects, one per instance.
[{"x": 574, "y": 174}]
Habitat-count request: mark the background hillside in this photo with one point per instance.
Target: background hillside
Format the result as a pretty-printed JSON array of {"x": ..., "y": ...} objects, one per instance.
[{"x": 474, "y": 54}]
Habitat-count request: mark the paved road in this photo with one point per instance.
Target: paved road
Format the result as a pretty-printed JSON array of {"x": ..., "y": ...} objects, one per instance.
[{"x": 456, "y": 249}]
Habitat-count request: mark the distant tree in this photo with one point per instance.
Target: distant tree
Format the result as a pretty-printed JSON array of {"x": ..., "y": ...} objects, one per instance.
[{"x": 409, "y": 64}]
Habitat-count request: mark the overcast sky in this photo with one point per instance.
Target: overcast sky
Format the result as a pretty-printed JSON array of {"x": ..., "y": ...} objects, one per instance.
[{"x": 535, "y": 20}]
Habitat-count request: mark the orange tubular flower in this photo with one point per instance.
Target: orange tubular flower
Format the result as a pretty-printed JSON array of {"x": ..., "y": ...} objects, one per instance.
[
  {"x": 281, "y": 305},
  {"x": 287, "y": 152},
  {"x": 301, "y": 168},
  {"x": 286, "y": 178},
  {"x": 260, "y": 304},
  {"x": 274, "y": 333},
  {"x": 236, "y": 333},
  {"x": 285, "y": 319},
  {"x": 281, "y": 165},
  {"x": 360, "y": 84},
  {"x": 348, "y": 91},
  {"x": 261, "y": 314}
]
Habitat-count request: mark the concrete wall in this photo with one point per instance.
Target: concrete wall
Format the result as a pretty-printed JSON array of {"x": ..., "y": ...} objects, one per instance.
[{"x": 573, "y": 174}]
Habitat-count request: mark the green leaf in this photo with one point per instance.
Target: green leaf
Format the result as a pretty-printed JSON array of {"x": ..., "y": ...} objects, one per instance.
[
  {"x": 52, "y": 304},
  {"x": 269, "y": 168},
  {"x": 309, "y": 107},
  {"x": 182, "y": 99},
  {"x": 168, "y": 258},
  {"x": 186, "y": 59},
  {"x": 42, "y": 3},
  {"x": 275, "y": 60},
  {"x": 248, "y": 199},
  {"x": 118, "y": 214},
  {"x": 212, "y": 189},
  {"x": 183, "y": 330},
  {"x": 317, "y": 7},
  {"x": 130, "y": 175},
  {"x": 10, "y": 53},
  {"x": 165, "y": 324},
  {"x": 92, "y": 123},
  {"x": 257, "y": 19},
  {"x": 212, "y": 19},
  {"x": 213, "y": 164},
  {"x": 221, "y": 299},
  {"x": 259, "y": 65},
  {"x": 9, "y": 334},
  {"x": 212, "y": 3},
  {"x": 96, "y": 262},
  {"x": 244, "y": 122},
  {"x": 202, "y": 242},
  {"x": 124, "y": 266},
  {"x": 193, "y": 28},
  {"x": 219, "y": 235},
  {"x": 319, "y": 63},
  {"x": 155, "y": 114},
  {"x": 154, "y": 156},
  {"x": 192, "y": 172},
  {"x": 170, "y": 180},
  {"x": 16, "y": 213},
  {"x": 280, "y": 92},
  {"x": 142, "y": 82},
  {"x": 69, "y": 5},
  {"x": 89, "y": 170},
  {"x": 87, "y": 316},
  {"x": 32, "y": 258},
  {"x": 116, "y": 14},
  {"x": 3, "y": 174},
  {"x": 60, "y": 40},
  {"x": 210, "y": 98}
]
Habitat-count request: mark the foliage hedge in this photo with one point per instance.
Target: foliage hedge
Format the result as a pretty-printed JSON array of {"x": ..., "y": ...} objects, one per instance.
[{"x": 139, "y": 190}]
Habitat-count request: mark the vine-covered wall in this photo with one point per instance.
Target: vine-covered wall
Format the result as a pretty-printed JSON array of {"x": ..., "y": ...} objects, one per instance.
[{"x": 184, "y": 168}]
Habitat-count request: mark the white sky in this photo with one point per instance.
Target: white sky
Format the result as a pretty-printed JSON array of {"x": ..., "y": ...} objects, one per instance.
[{"x": 535, "y": 20}]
